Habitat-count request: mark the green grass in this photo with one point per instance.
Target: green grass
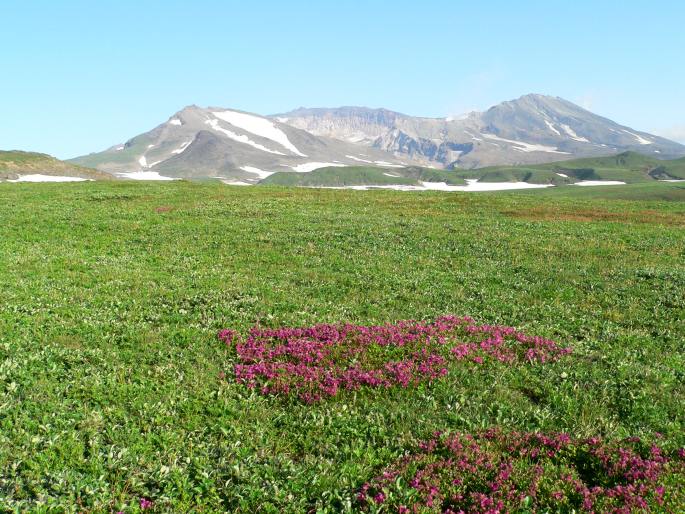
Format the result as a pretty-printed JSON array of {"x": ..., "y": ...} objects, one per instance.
[
  {"x": 15, "y": 162},
  {"x": 629, "y": 167},
  {"x": 112, "y": 294},
  {"x": 363, "y": 175}
]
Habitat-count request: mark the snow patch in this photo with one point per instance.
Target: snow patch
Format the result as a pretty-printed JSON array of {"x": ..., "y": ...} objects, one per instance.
[
  {"x": 48, "y": 178},
  {"x": 175, "y": 121},
  {"x": 525, "y": 147},
  {"x": 142, "y": 161},
  {"x": 143, "y": 175},
  {"x": 260, "y": 173},
  {"x": 562, "y": 175},
  {"x": 640, "y": 139},
  {"x": 311, "y": 166},
  {"x": 388, "y": 164},
  {"x": 472, "y": 186},
  {"x": 240, "y": 139},
  {"x": 391, "y": 175},
  {"x": 356, "y": 139},
  {"x": 552, "y": 128},
  {"x": 572, "y": 134},
  {"x": 261, "y": 127},
  {"x": 358, "y": 159},
  {"x": 181, "y": 148},
  {"x": 599, "y": 183}
]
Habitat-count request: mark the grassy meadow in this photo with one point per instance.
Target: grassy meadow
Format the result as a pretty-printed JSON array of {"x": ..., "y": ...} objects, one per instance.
[{"x": 112, "y": 294}]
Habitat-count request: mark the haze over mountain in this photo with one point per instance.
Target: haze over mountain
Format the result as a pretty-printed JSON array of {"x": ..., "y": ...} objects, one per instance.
[
  {"x": 240, "y": 147},
  {"x": 530, "y": 130}
]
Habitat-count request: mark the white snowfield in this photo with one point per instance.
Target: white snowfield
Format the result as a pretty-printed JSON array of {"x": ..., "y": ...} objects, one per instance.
[
  {"x": 358, "y": 159},
  {"x": 640, "y": 139},
  {"x": 525, "y": 147},
  {"x": 143, "y": 161},
  {"x": 311, "y": 166},
  {"x": 175, "y": 121},
  {"x": 143, "y": 175},
  {"x": 260, "y": 173},
  {"x": 472, "y": 186},
  {"x": 240, "y": 139},
  {"x": 552, "y": 128},
  {"x": 572, "y": 134},
  {"x": 258, "y": 126},
  {"x": 181, "y": 148},
  {"x": 599, "y": 183},
  {"x": 48, "y": 178},
  {"x": 389, "y": 164},
  {"x": 235, "y": 182},
  {"x": 562, "y": 175}
]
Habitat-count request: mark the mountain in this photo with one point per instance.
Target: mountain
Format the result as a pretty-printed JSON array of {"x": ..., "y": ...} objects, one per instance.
[
  {"x": 530, "y": 130},
  {"x": 232, "y": 145},
  {"x": 38, "y": 167},
  {"x": 627, "y": 167}
]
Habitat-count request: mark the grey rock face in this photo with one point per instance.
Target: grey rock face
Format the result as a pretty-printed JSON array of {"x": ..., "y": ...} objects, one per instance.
[
  {"x": 231, "y": 145},
  {"x": 530, "y": 130}
]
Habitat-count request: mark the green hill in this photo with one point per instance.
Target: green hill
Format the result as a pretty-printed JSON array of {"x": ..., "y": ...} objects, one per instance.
[
  {"x": 363, "y": 176},
  {"x": 629, "y": 167},
  {"x": 15, "y": 163}
]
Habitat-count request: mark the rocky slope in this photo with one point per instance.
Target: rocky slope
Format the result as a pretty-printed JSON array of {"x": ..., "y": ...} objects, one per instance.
[
  {"x": 530, "y": 130},
  {"x": 230, "y": 145}
]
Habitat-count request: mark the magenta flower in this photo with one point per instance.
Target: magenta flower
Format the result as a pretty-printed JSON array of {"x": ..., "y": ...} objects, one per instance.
[
  {"x": 496, "y": 471},
  {"x": 322, "y": 361}
]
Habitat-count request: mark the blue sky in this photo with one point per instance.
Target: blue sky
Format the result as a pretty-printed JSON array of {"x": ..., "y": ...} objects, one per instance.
[{"x": 79, "y": 76}]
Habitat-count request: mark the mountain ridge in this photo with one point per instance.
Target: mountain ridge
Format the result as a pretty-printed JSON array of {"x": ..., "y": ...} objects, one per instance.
[
  {"x": 528, "y": 130},
  {"x": 241, "y": 147}
]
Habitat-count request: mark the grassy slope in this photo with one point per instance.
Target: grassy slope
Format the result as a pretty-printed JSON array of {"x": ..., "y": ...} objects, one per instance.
[
  {"x": 112, "y": 294},
  {"x": 116, "y": 158},
  {"x": 630, "y": 167},
  {"x": 363, "y": 175},
  {"x": 13, "y": 163}
]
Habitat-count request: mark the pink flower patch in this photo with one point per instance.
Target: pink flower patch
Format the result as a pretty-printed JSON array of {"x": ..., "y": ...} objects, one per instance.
[{"x": 322, "y": 360}]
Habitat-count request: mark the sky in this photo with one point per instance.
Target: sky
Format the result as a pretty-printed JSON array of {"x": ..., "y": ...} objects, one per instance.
[{"x": 79, "y": 76}]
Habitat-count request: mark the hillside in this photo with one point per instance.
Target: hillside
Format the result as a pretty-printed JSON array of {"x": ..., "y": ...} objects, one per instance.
[
  {"x": 628, "y": 167},
  {"x": 16, "y": 164},
  {"x": 364, "y": 176}
]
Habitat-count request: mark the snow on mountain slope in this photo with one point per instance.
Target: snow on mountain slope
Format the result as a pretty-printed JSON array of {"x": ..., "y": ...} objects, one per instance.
[
  {"x": 259, "y": 126},
  {"x": 229, "y": 145},
  {"x": 529, "y": 130}
]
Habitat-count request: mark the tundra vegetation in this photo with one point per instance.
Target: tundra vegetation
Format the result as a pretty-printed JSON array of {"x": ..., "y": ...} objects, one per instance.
[{"x": 117, "y": 395}]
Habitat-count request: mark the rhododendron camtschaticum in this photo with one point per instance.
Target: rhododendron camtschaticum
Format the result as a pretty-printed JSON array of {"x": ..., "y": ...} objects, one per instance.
[
  {"x": 321, "y": 360},
  {"x": 496, "y": 472}
]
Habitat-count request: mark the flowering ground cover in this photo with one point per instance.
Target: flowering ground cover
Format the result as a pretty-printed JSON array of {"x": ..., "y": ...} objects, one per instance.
[
  {"x": 495, "y": 471},
  {"x": 112, "y": 295},
  {"x": 321, "y": 360}
]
